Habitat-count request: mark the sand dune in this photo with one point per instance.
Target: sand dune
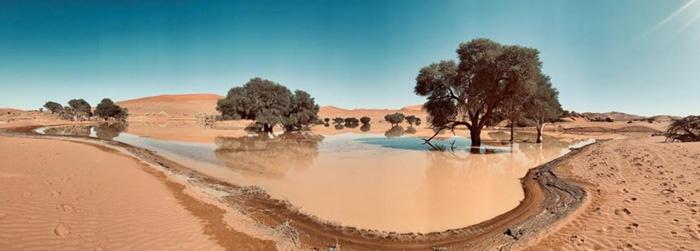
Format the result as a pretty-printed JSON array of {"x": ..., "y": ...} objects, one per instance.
[{"x": 184, "y": 106}]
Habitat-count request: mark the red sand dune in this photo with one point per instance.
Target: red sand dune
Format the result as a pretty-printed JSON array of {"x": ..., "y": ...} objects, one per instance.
[{"x": 183, "y": 105}]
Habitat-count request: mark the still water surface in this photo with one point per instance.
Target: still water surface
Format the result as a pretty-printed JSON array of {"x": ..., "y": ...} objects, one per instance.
[{"x": 363, "y": 180}]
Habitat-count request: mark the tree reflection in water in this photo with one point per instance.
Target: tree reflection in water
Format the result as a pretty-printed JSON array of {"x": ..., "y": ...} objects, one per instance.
[
  {"x": 366, "y": 127},
  {"x": 110, "y": 131},
  {"x": 268, "y": 156},
  {"x": 72, "y": 130},
  {"x": 394, "y": 132}
]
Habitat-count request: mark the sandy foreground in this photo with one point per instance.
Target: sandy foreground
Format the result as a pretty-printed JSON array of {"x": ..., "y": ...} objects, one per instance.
[
  {"x": 644, "y": 195},
  {"x": 641, "y": 193},
  {"x": 63, "y": 195}
]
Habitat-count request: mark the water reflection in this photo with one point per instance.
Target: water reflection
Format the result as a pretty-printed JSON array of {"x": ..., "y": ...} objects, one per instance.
[
  {"x": 110, "y": 131},
  {"x": 410, "y": 130},
  {"x": 266, "y": 155},
  {"x": 394, "y": 132},
  {"x": 366, "y": 127},
  {"x": 72, "y": 130}
]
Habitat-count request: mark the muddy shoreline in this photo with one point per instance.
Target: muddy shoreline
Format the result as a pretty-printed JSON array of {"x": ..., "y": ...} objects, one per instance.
[{"x": 548, "y": 198}]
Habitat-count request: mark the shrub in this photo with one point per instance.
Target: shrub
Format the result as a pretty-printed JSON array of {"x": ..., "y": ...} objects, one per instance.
[
  {"x": 411, "y": 119},
  {"x": 365, "y": 120},
  {"x": 684, "y": 130},
  {"x": 394, "y": 119}
]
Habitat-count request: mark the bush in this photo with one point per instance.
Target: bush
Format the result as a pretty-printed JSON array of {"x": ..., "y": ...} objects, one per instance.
[
  {"x": 394, "y": 119},
  {"x": 684, "y": 130},
  {"x": 411, "y": 119},
  {"x": 365, "y": 120},
  {"x": 609, "y": 119}
]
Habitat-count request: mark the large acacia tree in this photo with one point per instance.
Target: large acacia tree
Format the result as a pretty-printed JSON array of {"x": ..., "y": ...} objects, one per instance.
[
  {"x": 543, "y": 106},
  {"x": 269, "y": 104},
  {"x": 473, "y": 92}
]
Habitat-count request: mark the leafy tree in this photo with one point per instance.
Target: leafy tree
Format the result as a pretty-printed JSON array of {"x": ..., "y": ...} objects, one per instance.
[
  {"x": 472, "y": 92},
  {"x": 53, "y": 107},
  {"x": 418, "y": 121},
  {"x": 326, "y": 120},
  {"x": 107, "y": 109},
  {"x": 351, "y": 122},
  {"x": 411, "y": 119},
  {"x": 543, "y": 106},
  {"x": 394, "y": 119},
  {"x": 684, "y": 130},
  {"x": 365, "y": 120},
  {"x": 81, "y": 107},
  {"x": 338, "y": 120},
  {"x": 269, "y": 104}
]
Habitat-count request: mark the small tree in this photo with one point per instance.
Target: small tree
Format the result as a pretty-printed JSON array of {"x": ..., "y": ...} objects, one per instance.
[
  {"x": 411, "y": 119},
  {"x": 365, "y": 120},
  {"x": 80, "y": 107},
  {"x": 418, "y": 121},
  {"x": 351, "y": 122},
  {"x": 684, "y": 130},
  {"x": 53, "y": 107},
  {"x": 326, "y": 120},
  {"x": 338, "y": 120},
  {"x": 107, "y": 109},
  {"x": 543, "y": 106},
  {"x": 394, "y": 119}
]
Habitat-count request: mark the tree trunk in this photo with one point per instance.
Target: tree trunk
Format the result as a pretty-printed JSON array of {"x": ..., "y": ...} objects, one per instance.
[
  {"x": 475, "y": 134},
  {"x": 267, "y": 128},
  {"x": 540, "y": 127},
  {"x": 512, "y": 132}
]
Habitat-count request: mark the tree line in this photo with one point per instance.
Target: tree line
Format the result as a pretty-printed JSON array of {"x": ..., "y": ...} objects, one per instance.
[{"x": 81, "y": 110}]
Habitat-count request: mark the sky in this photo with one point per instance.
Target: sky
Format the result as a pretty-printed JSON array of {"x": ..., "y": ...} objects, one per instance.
[{"x": 635, "y": 56}]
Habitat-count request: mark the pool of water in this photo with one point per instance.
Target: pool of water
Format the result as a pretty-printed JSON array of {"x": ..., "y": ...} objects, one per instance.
[{"x": 374, "y": 181}]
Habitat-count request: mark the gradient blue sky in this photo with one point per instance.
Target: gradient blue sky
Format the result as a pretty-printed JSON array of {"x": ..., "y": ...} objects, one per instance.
[{"x": 622, "y": 55}]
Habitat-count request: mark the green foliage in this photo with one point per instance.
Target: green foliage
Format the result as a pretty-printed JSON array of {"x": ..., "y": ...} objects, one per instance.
[
  {"x": 365, "y": 120},
  {"x": 269, "y": 104},
  {"x": 411, "y": 119},
  {"x": 80, "y": 107},
  {"x": 394, "y": 119},
  {"x": 351, "y": 122},
  {"x": 488, "y": 78},
  {"x": 53, "y": 107},
  {"x": 107, "y": 109}
]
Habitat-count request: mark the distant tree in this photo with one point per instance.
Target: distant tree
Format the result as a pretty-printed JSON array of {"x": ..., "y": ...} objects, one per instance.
[
  {"x": 80, "y": 107},
  {"x": 107, "y": 109},
  {"x": 684, "y": 130},
  {"x": 366, "y": 127},
  {"x": 472, "y": 92},
  {"x": 269, "y": 104},
  {"x": 418, "y": 121},
  {"x": 394, "y": 119},
  {"x": 326, "y": 120},
  {"x": 411, "y": 119},
  {"x": 53, "y": 107},
  {"x": 351, "y": 122},
  {"x": 543, "y": 106},
  {"x": 365, "y": 120},
  {"x": 338, "y": 120}
]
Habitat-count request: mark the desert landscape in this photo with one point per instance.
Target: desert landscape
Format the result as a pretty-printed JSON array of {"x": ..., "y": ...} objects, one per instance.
[{"x": 499, "y": 143}]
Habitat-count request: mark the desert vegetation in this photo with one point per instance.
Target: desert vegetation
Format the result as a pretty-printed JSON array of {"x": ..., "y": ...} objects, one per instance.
[
  {"x": 543, "y": 106},
  {"x": 684, "y": 130},
  {"x": 411, "y": 119},
  {"x": 269, "y": 104},
  {"x": 351, "y": 122},
  {"x": 490, "y": 81},
  {"x": 395, "y": 119},
  {"x": 81, "y": 110}
]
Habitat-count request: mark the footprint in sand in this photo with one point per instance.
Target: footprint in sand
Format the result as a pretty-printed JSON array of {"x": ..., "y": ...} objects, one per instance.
[
  {"x": 67, "y": 208},
  {"x": 61, "y": 230}
]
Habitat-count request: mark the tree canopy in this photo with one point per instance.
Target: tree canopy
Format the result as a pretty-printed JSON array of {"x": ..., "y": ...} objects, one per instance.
[
  {"x": 395, "y": 118},
  {"x": 107, "y": 109},
  {"x": 80, "y": 106},
  {"x": 684, "y": 130},
  {"x": 470, "y": 93},
  {"x": 365, "y": 120},
  {"x": 269, "y": 104},
  {"x": 411, "y": 119},
  {"x": 543, "y": 106},
  {"x": 53, "y": 107}
]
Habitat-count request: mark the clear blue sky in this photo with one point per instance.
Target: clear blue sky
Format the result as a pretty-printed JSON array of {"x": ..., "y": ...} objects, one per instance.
[{"x": 621, "y": 55}]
